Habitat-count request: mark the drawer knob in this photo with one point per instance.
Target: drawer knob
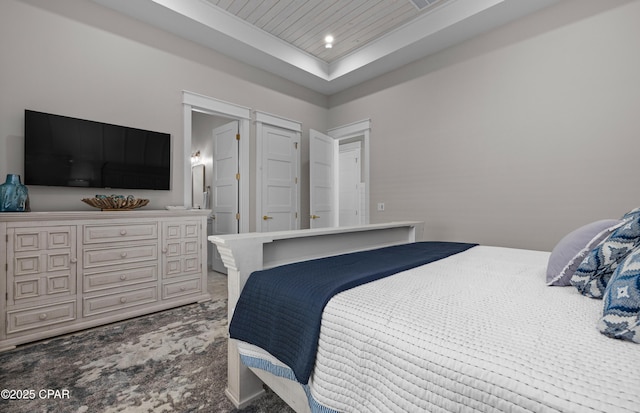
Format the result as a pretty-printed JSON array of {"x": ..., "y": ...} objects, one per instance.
[
  {"x": 43, "y": 316},
  {"x": 123, "y": 300},
  {"x": 123, "y": 232},
  {"x": 183, "y": 288},
  {"x": 123, "y": 277},
  {"x": 123, "y": 255}
]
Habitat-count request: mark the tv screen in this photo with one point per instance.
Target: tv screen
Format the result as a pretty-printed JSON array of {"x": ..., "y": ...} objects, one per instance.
[{"x": 65, "y": 151}]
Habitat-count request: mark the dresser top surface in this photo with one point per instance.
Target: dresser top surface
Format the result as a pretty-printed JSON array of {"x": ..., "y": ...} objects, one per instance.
[{"x": 97, "y": 215}]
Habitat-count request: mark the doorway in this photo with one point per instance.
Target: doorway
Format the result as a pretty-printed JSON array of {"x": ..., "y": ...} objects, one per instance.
[
  {"x": 339, "y": 175},
  {"x": 214, "y": 130}
]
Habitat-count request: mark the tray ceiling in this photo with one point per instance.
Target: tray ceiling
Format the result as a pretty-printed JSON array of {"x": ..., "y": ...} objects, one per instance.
[
  {"x": 286, "y": 37},
  {"x": 305, "y": 23}
]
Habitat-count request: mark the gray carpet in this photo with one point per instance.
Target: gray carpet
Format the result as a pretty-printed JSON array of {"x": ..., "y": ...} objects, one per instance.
[{"x": 172, "y": 361}]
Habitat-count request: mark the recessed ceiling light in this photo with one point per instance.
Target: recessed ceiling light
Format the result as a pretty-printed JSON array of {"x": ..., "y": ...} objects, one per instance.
[{"x": 328, "y": 42}]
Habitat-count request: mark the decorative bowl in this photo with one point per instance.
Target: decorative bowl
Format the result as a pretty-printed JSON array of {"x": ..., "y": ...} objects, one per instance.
[{"x": 115, "y": 202}]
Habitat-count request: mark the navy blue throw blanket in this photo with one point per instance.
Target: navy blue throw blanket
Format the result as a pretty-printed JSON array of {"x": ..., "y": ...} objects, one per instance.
[{"x": 280, "y": 309}]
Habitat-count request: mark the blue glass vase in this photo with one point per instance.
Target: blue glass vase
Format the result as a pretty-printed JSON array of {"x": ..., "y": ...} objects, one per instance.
[{"x": 13, "y": 195}]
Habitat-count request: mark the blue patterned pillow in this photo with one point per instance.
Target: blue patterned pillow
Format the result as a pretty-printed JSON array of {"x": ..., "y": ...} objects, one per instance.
[
  {"x": 634, "y": 212},
  {"x": 621, "y": 315},
  {"x": 593, "y": 274}
]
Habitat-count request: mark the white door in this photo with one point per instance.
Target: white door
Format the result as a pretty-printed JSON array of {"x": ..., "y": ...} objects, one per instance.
[
  {"x": 322, "y": 179},
  {"x": 225, "y": 185},
  {"x": 279, "y": 180},
  {"x": 349, "y": 184}
]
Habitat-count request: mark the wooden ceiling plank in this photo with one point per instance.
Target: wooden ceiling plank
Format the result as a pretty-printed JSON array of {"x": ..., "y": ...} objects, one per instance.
[
  {"x": 328, "y": 23},
  {"x": 248, "y": 9},
  {"x": 303, "y": 8},
  {"x": 367, "y": 27},
  {"x": 237, "y": 5},
  {"x": 305, "y": 23},
  {"x": 223, "y": 4},
  {"x": 285, "y": 14},
  {"x": 312, "y": 17},
  {"x": 348, "y": 24},
  {"x": 380, "y": 24},
  {"x": 278, "y": 8}
]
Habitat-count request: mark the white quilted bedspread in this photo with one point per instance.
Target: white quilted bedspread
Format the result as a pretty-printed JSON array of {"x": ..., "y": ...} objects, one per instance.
[{"x": 478, "y": 331}]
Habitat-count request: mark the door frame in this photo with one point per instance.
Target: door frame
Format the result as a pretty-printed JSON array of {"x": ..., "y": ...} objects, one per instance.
[
  {"x": 200, "y": 103},
  {"x": 264, "y": 118},
  {"x": 352, "y": 130}
]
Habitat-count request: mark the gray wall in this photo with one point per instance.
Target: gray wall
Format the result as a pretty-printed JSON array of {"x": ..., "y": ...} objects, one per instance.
[
  {"x": 513, "y": 138},
  {"x": 79, "y": 59}
]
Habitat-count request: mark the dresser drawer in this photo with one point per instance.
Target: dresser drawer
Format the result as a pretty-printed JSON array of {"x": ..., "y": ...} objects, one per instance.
[
  {"x": 119, "y": 301},
  {"x": 36, "y": 317},
  {"x": 120, "y": 232},
  {"x": 101, "y": 257},
  {"x": 171, "y": 290},
  {"x": 96, "y": 281}
]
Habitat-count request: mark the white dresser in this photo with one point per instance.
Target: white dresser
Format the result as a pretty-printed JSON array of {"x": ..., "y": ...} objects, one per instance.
[{"x": 66, "y": 271}]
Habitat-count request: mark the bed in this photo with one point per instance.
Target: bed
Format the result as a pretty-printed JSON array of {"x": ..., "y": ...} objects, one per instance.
[{"x": 477, "y": 330}]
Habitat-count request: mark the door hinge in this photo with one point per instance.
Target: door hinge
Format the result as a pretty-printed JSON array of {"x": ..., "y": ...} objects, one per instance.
[
  {"x": 237, "y": 177},
  {"x": 295, "y": 144},
  {"x": 296, "y": 180},
  {"x": 238, "y": 216},
  {"x": 237, "y": 136},
  {"x": 296, "y": 215}
]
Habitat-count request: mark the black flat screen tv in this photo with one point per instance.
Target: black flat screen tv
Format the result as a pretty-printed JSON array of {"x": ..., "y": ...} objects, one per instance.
[{"x": 71, "y": 152}]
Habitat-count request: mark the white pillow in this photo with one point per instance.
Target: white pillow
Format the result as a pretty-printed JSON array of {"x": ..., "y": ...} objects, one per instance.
[{"x": 571, "y": 250}]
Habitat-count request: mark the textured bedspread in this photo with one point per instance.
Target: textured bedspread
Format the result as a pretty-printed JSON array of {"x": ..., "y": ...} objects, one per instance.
[
  {"x": 479, "y": 331},
  {"x": 280, "y": 309},
  {"x": 476, "y": 332}
]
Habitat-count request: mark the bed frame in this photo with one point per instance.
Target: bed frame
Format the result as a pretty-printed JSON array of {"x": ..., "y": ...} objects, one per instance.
[{"x": 244, "y": 253}]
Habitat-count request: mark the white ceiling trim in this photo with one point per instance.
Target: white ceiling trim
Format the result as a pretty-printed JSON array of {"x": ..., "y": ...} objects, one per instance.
[
  {"x": 445, "y": 25},
  {"x": 428, "y": 24},
  {"x": 219, "y": 20}
]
